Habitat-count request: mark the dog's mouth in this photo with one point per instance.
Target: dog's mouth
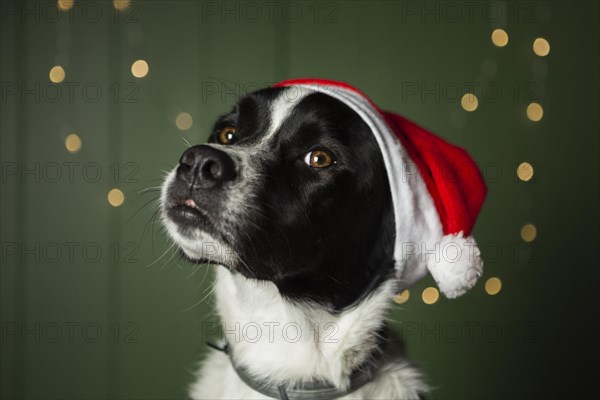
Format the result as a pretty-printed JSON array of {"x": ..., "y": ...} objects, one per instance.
[
  {"x": 198, "y": 240},
  {"x": 186, "y": 213}
]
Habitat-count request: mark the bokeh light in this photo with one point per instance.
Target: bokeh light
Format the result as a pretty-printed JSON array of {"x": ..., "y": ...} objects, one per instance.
[
  {"x": 528, "y": 233},
  {"x": 493, "y": 286},
  {"x": 57, "y": 74},
  {"x": 73, "y": 143},
  {"x": 65, "y": 5},
  {"x": 140, "y": 68},
  {"x": 116, "y": 197},
  {"x": 121, "y": 5},
  {"x": 469, "y": 102},
  {"x": 402, "y": 297},
  {"x": 541, "y": 47},
  {"x": 184, "y": 121},
  {"x": 525, "y": 171},
  {"x": 500, "y": 37},
  {"x": 535, "y": 112},
  {"x": 430, "y": 295}
]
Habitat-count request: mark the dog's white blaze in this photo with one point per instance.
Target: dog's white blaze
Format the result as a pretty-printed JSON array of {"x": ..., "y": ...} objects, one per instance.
[{"x": 281, "y": 108}]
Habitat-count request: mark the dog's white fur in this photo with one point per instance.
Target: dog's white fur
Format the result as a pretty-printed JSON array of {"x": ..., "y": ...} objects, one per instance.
[{"x": 297, "y": 343}]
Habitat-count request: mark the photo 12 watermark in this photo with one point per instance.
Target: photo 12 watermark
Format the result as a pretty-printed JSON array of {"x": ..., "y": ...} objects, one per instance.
[
  {"x": 271, "y": 332},
  {"x": 70, "y": 172},
  {"x": 69, "y": 92},
  {"x": 68, "y": 332},
  {"x": 69, "y": 252},
  {"x": 469, "y": 332},
  {"x": 227, "y": 11}
]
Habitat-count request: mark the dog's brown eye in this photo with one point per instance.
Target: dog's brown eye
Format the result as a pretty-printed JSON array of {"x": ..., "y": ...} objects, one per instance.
[
  {"x": 226, "y": 135},
  {"x": 319, "y": 159}
]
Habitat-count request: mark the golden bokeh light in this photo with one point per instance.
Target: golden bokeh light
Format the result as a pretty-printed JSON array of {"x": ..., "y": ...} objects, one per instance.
[
  {"x": 121, "y": 5},
  {"x": 493, "y": 286},
  {"x": 402, "y": 297},
  {"x": 57, "y": 74},
  {"x": 469, "y": 102},
  {"x": 184, "y": 121},
  {"x": 140, "y": 68},
  {"x": 500, "y": 37},
  {"x": 73, "y": 143},
  {"x": 430, "y": 295},
  {"x": 541, "y": 47},
  {"x": 115, "y": 197},
  {"x": 65, "y": 5},
  {"x": 528, "y": 233},
  {"x": 535, "y": 112},
  {"x": 525, "y": 171}
]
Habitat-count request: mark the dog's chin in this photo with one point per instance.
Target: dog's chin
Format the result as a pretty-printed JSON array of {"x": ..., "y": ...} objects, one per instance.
[
  {"x": 195, "y": 259},
  {"x": 209, "y": 258},
  {"x": 198, "y": 247},
  {"x": 190, "y": 230}
]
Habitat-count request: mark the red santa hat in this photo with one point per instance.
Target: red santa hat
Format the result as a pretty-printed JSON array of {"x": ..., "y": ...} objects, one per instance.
[{"x": 437, "y": 192}]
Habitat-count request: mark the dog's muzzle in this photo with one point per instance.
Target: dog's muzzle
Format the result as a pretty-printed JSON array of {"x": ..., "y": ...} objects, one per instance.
[{"x": 195, "y": 193}]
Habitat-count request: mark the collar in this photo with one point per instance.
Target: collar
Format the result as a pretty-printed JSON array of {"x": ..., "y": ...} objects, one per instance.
[{"x": 310, "y": 390}]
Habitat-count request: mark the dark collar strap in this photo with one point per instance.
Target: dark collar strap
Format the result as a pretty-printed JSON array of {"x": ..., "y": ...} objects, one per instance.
[{"x": 312, "y": 390}]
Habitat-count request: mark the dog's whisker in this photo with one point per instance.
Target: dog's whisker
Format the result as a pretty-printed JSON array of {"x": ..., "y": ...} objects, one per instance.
[
  {"x": 177, "y": 263},
  {"x": 336, "y": 280},
  {"x": 174, "y": 252},
  {"x": 153, "y": 200},
  {"x": 195, "y": 269},
  {"x": 163, "y": 254},
  {"x": 150, "y": 224},
  {"x": 187, "y": 142},
  {"x": 250, "y": 271},
  {"x": 202, "y": 283},
  {"x": 196, "y": 304},
  {"x": 150, "y": 189}
]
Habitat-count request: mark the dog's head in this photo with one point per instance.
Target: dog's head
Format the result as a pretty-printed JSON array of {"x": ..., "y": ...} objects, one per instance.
[{"x": 292, "y": 189}]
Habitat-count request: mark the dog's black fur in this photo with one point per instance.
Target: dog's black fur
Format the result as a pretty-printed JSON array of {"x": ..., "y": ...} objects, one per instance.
[{"x": 322, "y": 235}]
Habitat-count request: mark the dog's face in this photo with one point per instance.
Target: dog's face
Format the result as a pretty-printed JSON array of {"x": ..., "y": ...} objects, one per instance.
[{"x": 291, "y": 189}]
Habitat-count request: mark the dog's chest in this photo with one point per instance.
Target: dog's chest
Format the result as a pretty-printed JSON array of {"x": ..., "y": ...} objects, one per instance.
[
  {"x": 278, "y": 342},
  {"x": 218, "y": 380}
]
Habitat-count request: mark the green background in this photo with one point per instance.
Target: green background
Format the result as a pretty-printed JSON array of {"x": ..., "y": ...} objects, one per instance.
[{"x": 536, "y": 338}]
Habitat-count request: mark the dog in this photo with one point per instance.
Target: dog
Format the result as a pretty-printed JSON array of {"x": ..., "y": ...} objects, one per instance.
[{"x": 290, "y": 202}]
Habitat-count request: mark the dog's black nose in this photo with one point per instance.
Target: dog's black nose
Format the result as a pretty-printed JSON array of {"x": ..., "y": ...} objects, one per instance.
[{"x": 204, "y": 167}]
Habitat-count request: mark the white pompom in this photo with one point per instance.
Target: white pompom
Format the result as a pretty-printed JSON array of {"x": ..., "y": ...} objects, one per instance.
[{"x": 457, "y": 265}]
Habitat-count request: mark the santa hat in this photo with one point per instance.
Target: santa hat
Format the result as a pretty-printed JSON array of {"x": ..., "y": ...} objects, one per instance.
[{"x": 437, "y": 192}]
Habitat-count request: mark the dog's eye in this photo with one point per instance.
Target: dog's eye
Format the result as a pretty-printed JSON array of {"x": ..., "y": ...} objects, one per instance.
[
  {"x": 319, "y": 159},
  {"x": 226, "y": 135}
]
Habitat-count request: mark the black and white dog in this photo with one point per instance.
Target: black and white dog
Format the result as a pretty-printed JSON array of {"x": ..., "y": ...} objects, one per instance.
[{"x": 291, "y": 201}]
